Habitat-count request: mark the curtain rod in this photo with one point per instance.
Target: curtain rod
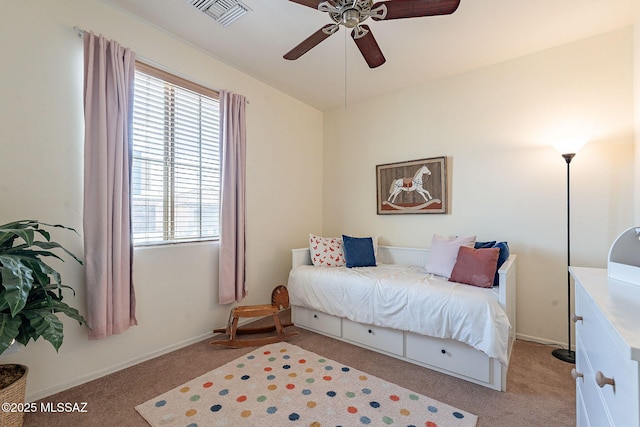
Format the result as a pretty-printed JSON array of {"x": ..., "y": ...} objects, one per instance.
[{"x": 81, "y": 32}]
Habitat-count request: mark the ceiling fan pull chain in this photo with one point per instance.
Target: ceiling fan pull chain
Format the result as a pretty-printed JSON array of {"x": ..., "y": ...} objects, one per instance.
[{"x": 345, "y": 70}]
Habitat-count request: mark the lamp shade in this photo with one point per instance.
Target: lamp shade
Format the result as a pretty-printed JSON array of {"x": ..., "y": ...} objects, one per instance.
[{"x": 570, "y": 145}]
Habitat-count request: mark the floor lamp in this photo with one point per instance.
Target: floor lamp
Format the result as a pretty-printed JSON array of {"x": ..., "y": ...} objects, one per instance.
[{"x": 568, "y": 149}]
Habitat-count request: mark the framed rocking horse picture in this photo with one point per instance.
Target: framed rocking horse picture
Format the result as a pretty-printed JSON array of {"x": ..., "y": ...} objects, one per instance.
[{"x": 412, "y": 187}]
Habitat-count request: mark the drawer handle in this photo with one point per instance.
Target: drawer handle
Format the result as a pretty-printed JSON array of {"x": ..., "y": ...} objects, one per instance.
[
  {"x": 602, "y": 381},
  {"x": 315, "y": 316},
  {"x": 370, "y": 331},
  {"x": 443, "y": 351},
  {"x": 575, "y": 318},
  {"x": 575, "y": 374}
]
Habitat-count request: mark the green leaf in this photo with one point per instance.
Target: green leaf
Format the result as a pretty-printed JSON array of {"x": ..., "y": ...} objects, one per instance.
[
  {"x": 17, "y": 281},
  {"x": 24, "y": 252},
  {"x": 25, "y": 229},
  {"x": 9, "y": 232},
  {"x": 55, "y": 304},
  {"x": 44, "y": 323},
  {"x": 26, "y": 235},
  {"x": 53, "y": 245},
  {"x": 30, "y": 289},
  {"x": 9, "y": 329},
  {"x": 41, "y": 271}
]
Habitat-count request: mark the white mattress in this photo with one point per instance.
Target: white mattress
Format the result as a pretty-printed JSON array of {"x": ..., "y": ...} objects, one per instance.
[{"x": 406, "y": 298}]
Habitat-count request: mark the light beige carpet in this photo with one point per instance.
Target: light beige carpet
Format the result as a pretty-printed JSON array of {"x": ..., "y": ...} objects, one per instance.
[
  {"x": 282, "y": 384},
  {"x": 540, "y": 390}
]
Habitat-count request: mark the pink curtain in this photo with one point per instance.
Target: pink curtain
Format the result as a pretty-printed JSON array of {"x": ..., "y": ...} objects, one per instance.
[
  {"x": 233, "y": 140},
  {"x": 108, "y": 101}
]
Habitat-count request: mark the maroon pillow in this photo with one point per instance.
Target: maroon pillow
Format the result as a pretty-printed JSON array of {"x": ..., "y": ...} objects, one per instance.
[{"x": 475, "y": 267}]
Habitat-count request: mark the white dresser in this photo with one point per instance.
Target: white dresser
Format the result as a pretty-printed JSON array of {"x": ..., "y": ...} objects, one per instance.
[{"x": 607, "y": 316}]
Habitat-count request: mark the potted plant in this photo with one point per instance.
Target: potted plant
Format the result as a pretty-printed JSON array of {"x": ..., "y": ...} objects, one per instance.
[{"x": 30, "y": 298}]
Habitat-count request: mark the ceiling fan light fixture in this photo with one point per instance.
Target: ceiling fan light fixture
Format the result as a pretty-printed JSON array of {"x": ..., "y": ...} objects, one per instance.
[{"x": 350, "y": 18}]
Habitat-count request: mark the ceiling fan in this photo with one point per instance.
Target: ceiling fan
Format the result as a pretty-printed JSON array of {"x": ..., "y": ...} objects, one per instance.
[{"x": 351, "y": 14}]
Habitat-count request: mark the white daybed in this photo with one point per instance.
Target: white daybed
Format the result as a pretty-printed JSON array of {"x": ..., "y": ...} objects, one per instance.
[{"x": 324, "y": 304}]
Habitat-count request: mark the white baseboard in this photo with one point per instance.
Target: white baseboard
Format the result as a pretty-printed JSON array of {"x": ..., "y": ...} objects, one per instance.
[
  {"x": 32, "y": 397},
  {"x": 542, "y": 341},
  {"x": 176, "y": 346},
  {"x": 115, "y": 368}
]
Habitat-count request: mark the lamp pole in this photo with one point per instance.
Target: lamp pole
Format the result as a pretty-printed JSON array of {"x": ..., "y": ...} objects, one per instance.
[{"x": 568, "y": 355}]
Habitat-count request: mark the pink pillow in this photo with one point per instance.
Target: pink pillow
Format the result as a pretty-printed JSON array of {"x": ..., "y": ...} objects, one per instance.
[
  {"x": 326, "y": 251},
  {"x": 444, "y": 252},
  {"x": 476, "y": 267}
]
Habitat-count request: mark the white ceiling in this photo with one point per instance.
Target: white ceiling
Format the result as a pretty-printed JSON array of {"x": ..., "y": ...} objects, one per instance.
[{"x": 478, "y": 34}]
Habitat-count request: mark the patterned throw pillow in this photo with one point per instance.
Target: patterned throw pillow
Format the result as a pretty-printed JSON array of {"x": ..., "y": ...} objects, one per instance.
[{"x": 326, "y": 251}]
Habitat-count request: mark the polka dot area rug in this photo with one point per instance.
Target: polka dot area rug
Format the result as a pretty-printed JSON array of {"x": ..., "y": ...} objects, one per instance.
[{"x": 283, "y": 385}]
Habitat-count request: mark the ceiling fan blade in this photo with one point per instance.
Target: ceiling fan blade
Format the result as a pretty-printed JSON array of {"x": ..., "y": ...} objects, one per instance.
[
  {"x": 311, "y": 3},
  {"x": 312, "y": 41},
  {"x": 368, "y": 46},
  {"x": 398, "y": 9}
]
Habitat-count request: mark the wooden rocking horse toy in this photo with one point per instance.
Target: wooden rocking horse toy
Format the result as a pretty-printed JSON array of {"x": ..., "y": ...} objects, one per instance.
[{"x": 279, "y": 301}]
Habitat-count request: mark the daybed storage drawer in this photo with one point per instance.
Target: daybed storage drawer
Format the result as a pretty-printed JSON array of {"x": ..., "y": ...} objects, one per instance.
[
  {"x": 451, "y": 355},
  {"x": 389, "y": 340},
  {"x": 316, "y": 320}
]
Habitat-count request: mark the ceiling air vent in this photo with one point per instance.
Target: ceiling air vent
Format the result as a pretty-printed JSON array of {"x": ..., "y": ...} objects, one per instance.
[{"x": 224, "y": 12}]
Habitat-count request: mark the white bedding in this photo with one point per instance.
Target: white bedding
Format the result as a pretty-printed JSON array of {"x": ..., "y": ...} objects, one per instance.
[{"x": 406, "y": 298}]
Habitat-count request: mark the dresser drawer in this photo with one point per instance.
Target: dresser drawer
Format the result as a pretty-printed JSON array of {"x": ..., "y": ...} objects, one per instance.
[
  {"x": 588, "y": 395},
  {"x": 453, "y": 356},
  {"x": 607, "y": 341},
  {"x": 604, "y": 352},
  {"x": 582, "y": 419},
  {"x": 389, "y": 340},
  {"x": 316, "y": 320}
]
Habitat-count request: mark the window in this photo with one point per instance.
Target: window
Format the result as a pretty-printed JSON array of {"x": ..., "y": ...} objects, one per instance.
[{"x": 176, "y": 160}]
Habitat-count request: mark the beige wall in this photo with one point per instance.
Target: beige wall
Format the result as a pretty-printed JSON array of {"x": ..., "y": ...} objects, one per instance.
[
  {"x": 41, "y": 131},
  {"x": 494, "y": 124},
  {"x": 506, "y": 182},
  {"x": 636, "y": 104}
]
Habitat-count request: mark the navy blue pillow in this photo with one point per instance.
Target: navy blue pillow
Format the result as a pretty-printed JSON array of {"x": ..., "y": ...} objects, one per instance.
[
  {"x": 483, "y": 245},
  {"x": 504, "y": 255},
  {"x": 358, "y": 251}
]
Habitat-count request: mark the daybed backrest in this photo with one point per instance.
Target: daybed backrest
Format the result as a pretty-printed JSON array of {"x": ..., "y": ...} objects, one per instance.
[
  {"x": 404, "y": 256},
  {"x": 385, "y": 255},
  {"x": 300, "y": 256}
]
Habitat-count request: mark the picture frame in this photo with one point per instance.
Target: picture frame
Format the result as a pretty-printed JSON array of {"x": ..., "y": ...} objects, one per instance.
[{"x": 412, "y": 187}]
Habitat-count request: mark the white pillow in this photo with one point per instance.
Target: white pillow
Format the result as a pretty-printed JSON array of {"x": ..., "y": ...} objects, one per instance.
[
  {"x": 444, "y": 253},
  {"x": 326, "y": 251}
]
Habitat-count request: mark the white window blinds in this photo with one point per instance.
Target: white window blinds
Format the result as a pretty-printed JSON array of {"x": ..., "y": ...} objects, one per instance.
[{"x": 176, "y": 160}]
